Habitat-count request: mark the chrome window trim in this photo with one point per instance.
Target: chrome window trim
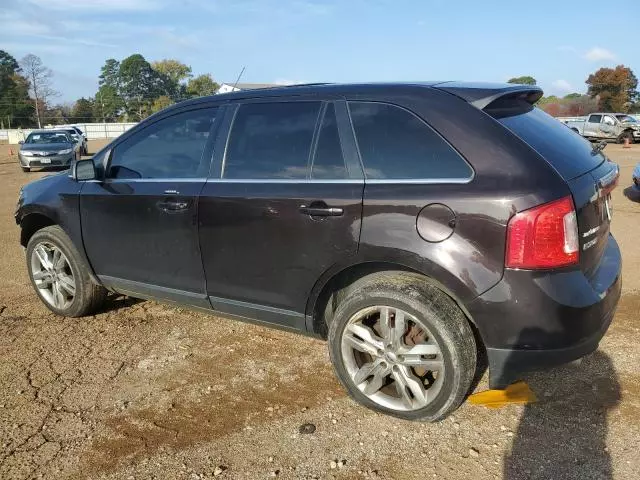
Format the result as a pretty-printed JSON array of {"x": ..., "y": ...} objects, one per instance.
[
  {"x": 149, "y": 180},
  {"x": 284, "y": 180}
]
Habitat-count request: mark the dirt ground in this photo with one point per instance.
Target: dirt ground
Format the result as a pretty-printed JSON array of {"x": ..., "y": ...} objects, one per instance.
[{"x": 144, "y": 390}]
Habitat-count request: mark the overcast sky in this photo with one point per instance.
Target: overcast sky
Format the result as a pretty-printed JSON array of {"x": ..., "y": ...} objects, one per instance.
[{"x": 558, "y": 42}]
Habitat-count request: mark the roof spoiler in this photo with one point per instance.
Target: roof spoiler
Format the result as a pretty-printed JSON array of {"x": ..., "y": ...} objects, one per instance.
[{"x": 482, "y": 95}]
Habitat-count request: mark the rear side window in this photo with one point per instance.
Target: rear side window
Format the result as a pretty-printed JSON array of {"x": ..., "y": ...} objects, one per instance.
[
  {"x": 328, "y": 163},
  {"x": 396, "y": 144},
  {"x": 568, "y": 153},
  {"x": 595, "y": 118},
  {"x": 271, "y": 141}
]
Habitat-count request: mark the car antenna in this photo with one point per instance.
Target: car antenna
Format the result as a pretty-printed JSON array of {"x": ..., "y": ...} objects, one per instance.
[{"x": 239, "y": 76}]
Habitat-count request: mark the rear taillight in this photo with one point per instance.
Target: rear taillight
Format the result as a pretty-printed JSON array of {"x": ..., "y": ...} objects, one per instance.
[{"x": 543, "y": 237}]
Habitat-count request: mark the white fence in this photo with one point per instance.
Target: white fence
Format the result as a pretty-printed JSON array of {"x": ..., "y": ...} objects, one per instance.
[{"x": 93, "y": 131}]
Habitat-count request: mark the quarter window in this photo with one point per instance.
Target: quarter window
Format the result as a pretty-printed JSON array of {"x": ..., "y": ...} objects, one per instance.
[
  {"x": 271, "y": 141},
  {"x": 170, "y": 148},
  {"x": 396, "y": 144}
]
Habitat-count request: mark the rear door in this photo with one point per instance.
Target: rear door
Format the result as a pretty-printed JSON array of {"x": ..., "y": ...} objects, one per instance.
[
  {"x": 139, "y": 224},
  {"x": 592, "y": 126},
  {"x": 285, "y": 207},
  {"x": 589, "y": 174}
]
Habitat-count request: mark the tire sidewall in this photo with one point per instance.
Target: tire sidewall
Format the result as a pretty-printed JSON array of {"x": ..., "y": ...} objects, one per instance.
[
  {"x": 447, "y": 397},
  {"x": 49, "y": 235}
]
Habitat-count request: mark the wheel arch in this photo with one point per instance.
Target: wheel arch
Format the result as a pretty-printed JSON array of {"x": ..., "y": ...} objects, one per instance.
[
  {"x": 31, "y": 223},
  {"x": 325, "y": 295}
]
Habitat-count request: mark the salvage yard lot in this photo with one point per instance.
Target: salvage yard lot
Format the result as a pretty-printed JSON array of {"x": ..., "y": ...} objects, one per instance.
[{"x": 145, "y": 390}]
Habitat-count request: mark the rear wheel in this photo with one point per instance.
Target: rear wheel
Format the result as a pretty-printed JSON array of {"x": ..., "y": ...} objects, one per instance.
[
  {"x": 402, "y": 347},
  {"x": 59, "y": 275}
]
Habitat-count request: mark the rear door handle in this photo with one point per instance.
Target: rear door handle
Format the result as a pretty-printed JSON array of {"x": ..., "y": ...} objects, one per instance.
[
  {"x": 321, "y": 210},
  {"x": 173, "y": 206}
]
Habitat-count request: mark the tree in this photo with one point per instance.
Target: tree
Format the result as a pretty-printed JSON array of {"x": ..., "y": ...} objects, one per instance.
[
  {"x": 139, "y": 85},
  {"x": 56, "y": 115},
  {"x": 39, "y": 78},
  {"x": 16, "y": 108},
  {"x": 161, "y": 103},
  {"x": 524, "y": 80},
  {"x": 172, "y": 69},
  {"x": 572, "y": 95},
  {"x": 108, "y": 104},
  {"x": 202, "y": 85},
  {"x": 615, "y": 88},
  {"x": 82, "y": 111},
  {"x": 110, "y": 74}
]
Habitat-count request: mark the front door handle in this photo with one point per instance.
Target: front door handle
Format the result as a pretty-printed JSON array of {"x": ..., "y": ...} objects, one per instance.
[
  {"x": 321, "y": 209},
  {"x": 173, "y": 206}
]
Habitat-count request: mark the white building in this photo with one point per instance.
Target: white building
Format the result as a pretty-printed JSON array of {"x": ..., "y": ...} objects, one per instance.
[{"x": 230, "y": 87}]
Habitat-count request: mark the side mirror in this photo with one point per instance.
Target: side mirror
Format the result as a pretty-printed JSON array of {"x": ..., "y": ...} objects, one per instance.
[
  {"x": 21, "y": 142},
  {"x": 83, "y": 170}
]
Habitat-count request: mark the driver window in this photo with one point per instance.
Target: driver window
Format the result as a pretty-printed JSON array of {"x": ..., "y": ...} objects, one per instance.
[
  {"x": 608, "y": 120},
  {"x": 170, "y": 148}
]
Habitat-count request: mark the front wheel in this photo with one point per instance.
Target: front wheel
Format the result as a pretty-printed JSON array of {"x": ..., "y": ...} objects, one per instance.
[
  {"x": 26, "y": 169},
  {"x": 624, "y": 136},
  {"x": 59, "y": 275},
  {"x": 402, "y": 347}
]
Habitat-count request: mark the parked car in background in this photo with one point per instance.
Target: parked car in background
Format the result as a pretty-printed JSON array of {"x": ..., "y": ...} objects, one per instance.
[
  {"x": 412, "y": 225},
  {"x": 606, "y": 126},
  {"x": 79, "y": 136},
  {"x": 48, "y": 148}
]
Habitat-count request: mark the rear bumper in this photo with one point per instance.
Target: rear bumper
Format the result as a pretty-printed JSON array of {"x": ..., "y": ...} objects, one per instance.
[{"x": 534, "y": 320}]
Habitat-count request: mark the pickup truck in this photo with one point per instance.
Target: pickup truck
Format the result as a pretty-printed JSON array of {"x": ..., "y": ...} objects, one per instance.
[{"x": 607, "y": 126}]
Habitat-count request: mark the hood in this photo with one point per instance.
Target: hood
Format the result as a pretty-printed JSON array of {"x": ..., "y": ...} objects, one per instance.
[
  {"x": 634, "y": 125},
  {"x": 46, "y": 147}
]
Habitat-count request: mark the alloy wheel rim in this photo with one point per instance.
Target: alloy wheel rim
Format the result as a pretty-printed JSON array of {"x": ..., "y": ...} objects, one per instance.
[
  {"x": 52, "y": 275},
  {"x": 392, "y": 358}
]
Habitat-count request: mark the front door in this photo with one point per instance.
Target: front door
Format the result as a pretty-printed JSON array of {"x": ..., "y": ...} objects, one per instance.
[
  {"x": 140, "y": 223},
  {"x": 286, "y": 208}
]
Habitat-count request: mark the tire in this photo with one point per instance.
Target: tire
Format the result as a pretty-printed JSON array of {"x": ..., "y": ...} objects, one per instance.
[
  {"x": 87, "y": 298},
  {"x": 446, "y": 326},
  {"x": 625, "y": 135},
  {"x": 26, "y": 169}
]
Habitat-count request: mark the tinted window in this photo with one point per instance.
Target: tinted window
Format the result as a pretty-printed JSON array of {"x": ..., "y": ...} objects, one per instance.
[
  {"x": 568, "y": 153},
  {"x": 595, "y": 118},
  {"x": 271, "y": 140},
  {"x": 395, "y": 144},
  {"x": 328, "y": 162},
  {"x": 169, "y": 148}
]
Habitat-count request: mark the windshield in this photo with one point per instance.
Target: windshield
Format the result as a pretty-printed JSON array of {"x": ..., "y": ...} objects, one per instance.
[
  {"x": 626, "y": 118},
  {"x": 48, "y": 137}
]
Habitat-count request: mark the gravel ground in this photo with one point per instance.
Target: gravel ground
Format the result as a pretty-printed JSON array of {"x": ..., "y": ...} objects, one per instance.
[{"x": 144, "y": 390}]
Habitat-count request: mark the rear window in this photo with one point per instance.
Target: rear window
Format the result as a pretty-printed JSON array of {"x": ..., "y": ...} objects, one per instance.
[{"x": 565, "y": 150}]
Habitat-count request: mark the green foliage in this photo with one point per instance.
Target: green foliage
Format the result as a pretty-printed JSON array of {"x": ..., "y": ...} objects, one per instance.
[
  {"x": 202, "y": 85},
  {"x": 572, "y": 95},
  {"x": 82, "y": 111},
  {"x": 140, "y": 84},
  {"x": 16, "y": 108},
  {"x": 161, "y": 103},
  {"x": 615, "y": 88},
  {"x": 108, "y": 105},
  {"x": 524, "y": 80},
  {"x": 110, "y": 74},
  {"x": 174, "y": 70}
]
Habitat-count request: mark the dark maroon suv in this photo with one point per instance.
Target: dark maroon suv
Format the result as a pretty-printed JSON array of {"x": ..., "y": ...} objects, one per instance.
[{"x": 415, "y": 226}]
